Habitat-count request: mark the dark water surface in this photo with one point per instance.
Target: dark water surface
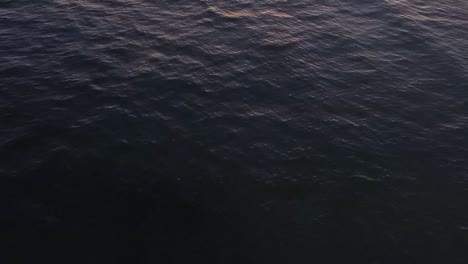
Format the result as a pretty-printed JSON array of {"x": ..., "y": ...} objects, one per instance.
[{"x": 309, "y": 131}]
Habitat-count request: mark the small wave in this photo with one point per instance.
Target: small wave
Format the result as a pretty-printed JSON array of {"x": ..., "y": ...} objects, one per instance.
[{"x": 247, "y": 13}]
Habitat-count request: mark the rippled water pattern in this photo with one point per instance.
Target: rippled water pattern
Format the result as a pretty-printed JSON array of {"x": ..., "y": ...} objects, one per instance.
[{"x": 310, "y": 131}]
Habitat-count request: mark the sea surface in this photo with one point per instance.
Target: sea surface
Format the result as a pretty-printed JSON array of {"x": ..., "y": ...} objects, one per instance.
[{"x": 234, "y": 131}]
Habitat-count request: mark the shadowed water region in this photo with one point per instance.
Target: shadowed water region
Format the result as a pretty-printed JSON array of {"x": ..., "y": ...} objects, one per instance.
[{"x": 310, "y": 131}]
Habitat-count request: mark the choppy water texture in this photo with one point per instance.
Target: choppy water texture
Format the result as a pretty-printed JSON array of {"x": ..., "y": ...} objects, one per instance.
[{"x": 310, "y": 131}]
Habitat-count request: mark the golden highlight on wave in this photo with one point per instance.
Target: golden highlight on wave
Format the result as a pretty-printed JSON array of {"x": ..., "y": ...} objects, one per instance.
[{"x": 248, "y": 13}]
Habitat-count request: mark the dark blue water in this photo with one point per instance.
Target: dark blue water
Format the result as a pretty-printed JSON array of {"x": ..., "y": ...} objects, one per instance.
[{"x": 310, "y": 131}]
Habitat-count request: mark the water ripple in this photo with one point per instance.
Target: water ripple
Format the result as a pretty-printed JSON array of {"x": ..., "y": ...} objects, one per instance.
[{"x": 314, "y": 126}]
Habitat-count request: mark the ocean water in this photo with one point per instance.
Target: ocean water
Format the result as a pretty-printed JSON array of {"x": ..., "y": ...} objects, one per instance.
[{"x": 234, "y": 131}]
